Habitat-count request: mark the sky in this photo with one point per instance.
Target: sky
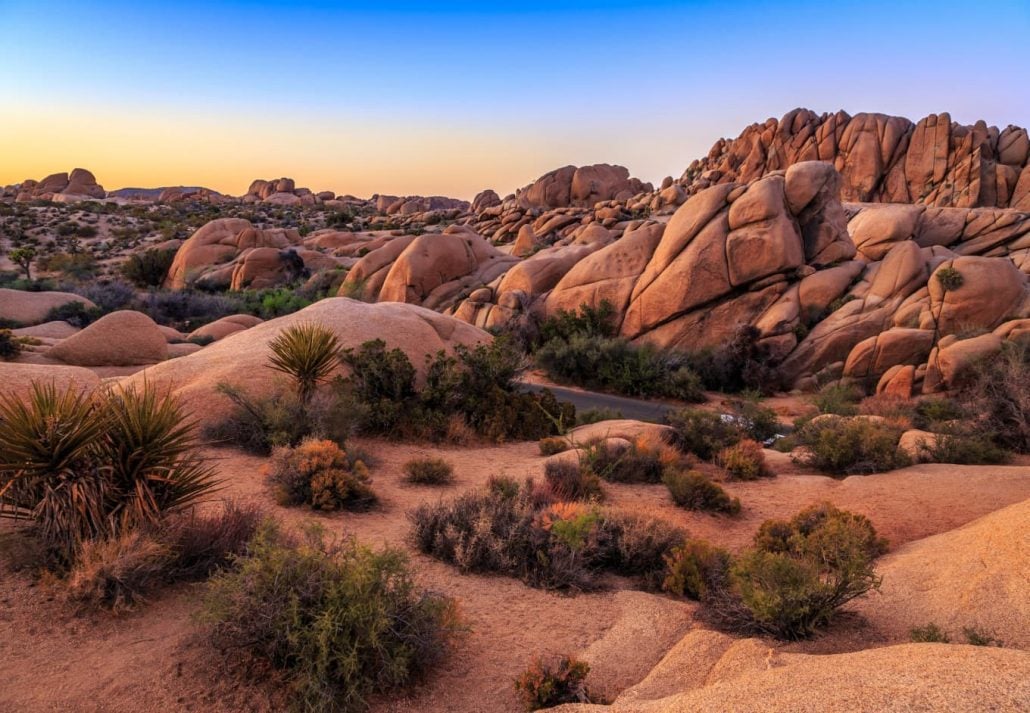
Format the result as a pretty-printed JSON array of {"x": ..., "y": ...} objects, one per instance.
[{"x": 453, "y": 97}]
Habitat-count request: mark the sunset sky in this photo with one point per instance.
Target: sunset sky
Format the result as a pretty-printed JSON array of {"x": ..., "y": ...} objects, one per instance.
[{"x": 452, "y": 97}]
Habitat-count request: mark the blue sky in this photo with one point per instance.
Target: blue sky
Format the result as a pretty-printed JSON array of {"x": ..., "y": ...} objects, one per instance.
[{"x": 456, "y": 96}]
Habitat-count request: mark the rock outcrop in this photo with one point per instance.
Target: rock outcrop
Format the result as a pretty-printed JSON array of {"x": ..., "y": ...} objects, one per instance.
[
  {"x": 25, "y": 307},
  {"x": 123, "y": 338}
]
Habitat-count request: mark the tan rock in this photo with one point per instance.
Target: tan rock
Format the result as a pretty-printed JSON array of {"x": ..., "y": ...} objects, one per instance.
[
  {"x": 123, "y": 338},
  {"x": 32, "y": 307}
]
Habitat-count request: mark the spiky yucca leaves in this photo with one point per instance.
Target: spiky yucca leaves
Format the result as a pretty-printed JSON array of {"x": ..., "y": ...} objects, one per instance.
[
  {"x": 151, "y": 447},
  {"x": 50, "y": 470},
  {"x": 84, "y": 467},
  {"x": 308, "y": 353}
]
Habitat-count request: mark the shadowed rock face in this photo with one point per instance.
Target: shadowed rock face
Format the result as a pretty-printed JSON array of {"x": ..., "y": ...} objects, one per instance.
[{"x": 882, "y": 159}]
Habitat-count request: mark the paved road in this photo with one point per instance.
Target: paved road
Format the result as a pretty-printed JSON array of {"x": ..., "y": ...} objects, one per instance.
[{"x": 637, "y": 409}]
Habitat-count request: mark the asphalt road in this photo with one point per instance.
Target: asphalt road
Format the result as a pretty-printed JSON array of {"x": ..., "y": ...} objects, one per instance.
[{"x": 636, "y": 409}]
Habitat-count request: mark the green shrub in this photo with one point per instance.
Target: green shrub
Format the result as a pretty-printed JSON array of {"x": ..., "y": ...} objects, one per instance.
[
  {"x": 838, "y": 398},
  {"x": 741, "y": 364},
  {"x": 965, "y": 449},
  {"x": 149, "y": 268},
  {"x": 758, "y": 422},
  {"x": 77, "y": 266},
  {"x": 92, "y": 466},
  {"x": 571, "y": 481},
  {"x": 949, "y": 278},
  {"x": 546, "y": 684},
  {"x": 702, "y": 433},
  {"x": 798, "y": 574},
  {"x": 843, "y": 446},
  {"x": 995, "y": 392},
  {"x": 596, "y": 415},
  {"x": 10, "y": 348},
  {"x": 429, "y": 471},
  {"x": 74, "y": 313},
  {"x": 588, "y": 321},
  {"x": 318, "y": 473},
  {"x": 307, "y": 353},
  {"x": 929, "y": 634},
  {"x": 622, "y": 463},
  {"x": 745, "y": 461},
  {"x": 935, "y": 411},
  {"x": 340, "y": 621},
  {"x": 695, "y": 491},
  {"x": 553, "y": 444},
  {"x": 694, "y": 569},
  {"x": 975, "y": 636}
]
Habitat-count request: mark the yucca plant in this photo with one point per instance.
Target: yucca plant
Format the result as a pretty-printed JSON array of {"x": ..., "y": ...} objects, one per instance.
[
  {"x": 151, "y": 446},
  {"x": 50, "y": 466},
  {"x": 308, "y": 353}
]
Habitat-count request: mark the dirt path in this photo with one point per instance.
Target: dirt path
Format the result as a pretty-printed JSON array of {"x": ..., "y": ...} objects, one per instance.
[{"x": 153, "y": 658}]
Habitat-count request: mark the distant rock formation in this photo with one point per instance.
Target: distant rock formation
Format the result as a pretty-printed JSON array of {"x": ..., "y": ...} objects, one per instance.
[
  {"x": 882, "y": 159},
  {"x": 581, "y": 187},
  {"x": 79, "y": 185}
]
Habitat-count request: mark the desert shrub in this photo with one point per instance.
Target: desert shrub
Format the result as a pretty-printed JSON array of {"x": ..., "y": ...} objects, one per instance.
[
  {"x": 976, "y": 636},
  {"x": 10, "y": 348},
  {"x": 549, "y": 683},
  {"x": 695, "y": 568},
  {"x": 318, "y": 473},
  {"x": 965, "y": 449},
  {"x": 90, "y": 466},
  {"x": 477, "y": 384},
  {"x": 272, "y": 302},
  {"x": 571, "y": 481},
  {"x": 949, "y": 278},
  {"x": 745, "y": 461},
  {"x": 695, "y": 491},
  {"x": 702, "y": 433},
  {"x": 740, "y": 364},
  {"x": 798, "y": 574},
  {"x": 850, "y": 446},
  {"x": 935, "y": 411},
  {"x": 758, "y": 422},
  {"x": 613, "y": 364},
  {"x": 74, "y": 313},
  {"x": 429, "y": 471},
  {"x": 995, "y": 392},
  {"x": 896, "y": 409},
  {"x": 523, "y": 533},
  {"x": 596, "y": 415},
  {"x": 119, "y": 572},
  {"x": 109, "y": 295},
  {"x": 77, "y": 266},
  {"x": 589, "y": 321},
  {"x": 148, "y": 268},
  {"x": 929, "y": 634},
  {"x": 622, "y": 463},
  {"x": 553, "y": 444},
  {"x": 838, "y": 398},
  {"x": 307, "y": 353},
  {"x": 338, "y": 620},
  {"x": 187, "y": 309}
]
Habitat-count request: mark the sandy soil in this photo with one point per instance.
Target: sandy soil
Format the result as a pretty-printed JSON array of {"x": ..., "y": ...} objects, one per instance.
[{"x": 154, "y": 658}]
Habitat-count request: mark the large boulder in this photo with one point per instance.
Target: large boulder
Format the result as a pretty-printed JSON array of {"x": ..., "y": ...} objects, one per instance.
[
  {"x": 209, "y": 255},
  {"x": 222, "y": 328},
  {"x": 18, "y": 378},
  {"x": 32, "y": 307},
  {"x": 991, "y": 291},
  {"x": 242, "y": 358},
  {"x": 124, "y": 338}
]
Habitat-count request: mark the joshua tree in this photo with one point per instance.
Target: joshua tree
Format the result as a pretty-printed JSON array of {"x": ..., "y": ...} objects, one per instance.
[{"x": 23, "y": 257}]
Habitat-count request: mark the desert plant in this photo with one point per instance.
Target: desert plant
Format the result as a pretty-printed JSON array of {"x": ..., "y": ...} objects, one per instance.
[
  {"x": 622, "y": 463},
  {"x": 569, "y": 480},
  {"x": 949, "y": 278},
  {"x": 10, "y": 348},
  {"x": 318, "y": 473},
  {"x": 976, "y": 636},
  {"x": 745, "y": 461},
  {"x": 23, "y": 257},
  {"x": 702, "y": 433},
  {"x": 838, "y": 398},
  {"x": 695, "y": 568},
  {"x": 548, "y": 683},
  {"x": 552, "y": 444},
  {"x": 758, "y": 422},
  {"x": 340, "y": 621},
  {"x": 695, "y": 491},
  {"x": 849, "y": 446},
  {"x": 307, "y": 353},
  {"x": 965, "y": 449},
  {"x": 149, "y": 268},
  {"x": 929, "y": 634},
  {"x": 429, "y": 471},
  {"x": 596, "y": 415},
  {"x": 995, "y": 391},
  {"x": 742, "y": 363}
]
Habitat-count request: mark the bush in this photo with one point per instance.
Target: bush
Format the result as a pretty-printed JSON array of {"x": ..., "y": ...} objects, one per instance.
[
  {"x": 429, "y": 471},
  {"x": 120, "y": 572},
  {"x": 108, "y": 296},
  {"x": 186, "y": 309},
  {"x": 74, "y": 313},
  {"x": 798, "y": 574},
  {"x": 10, "y": 348},
  {"x": 318, "y": 473},
  {"x": 695, "y": 569},
  {"x": 589, "y": 321},
  {"x": 935, "y": 411},
  {"x": 149, "y": 268},
  {"x": 965, "y": 449},
  {"x": 596, "y": 415},
  {"x": 745, "y": 461},
  {"x": 996, "y": 393},
  {"x": 93, "y": 466},
  {"x": 307, "y": 353},
  {"x": 700, "y": 432},
  {"x": 571, "y": 481},
  {"x": 340, "y": 621},
  {"x": 929, "y": 634},
  {"x": 623, "y": 463},
  {"x": 552, "y": 444},
  {"x": 695, "y": 491},
  {"x": 757, "y": 421},
  {"x": 840, "y": 399},
  {"x": 546, "y": 684},
  {"x": 741, "y": 364},
  {"x": 975, "y": 636},
  {"x": 77, "y": 266},
  {"x": 843, "y": 446},
  {"x": 521, "y": 532}
]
